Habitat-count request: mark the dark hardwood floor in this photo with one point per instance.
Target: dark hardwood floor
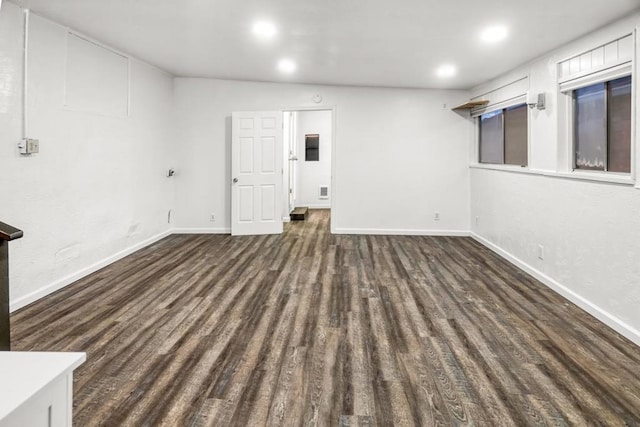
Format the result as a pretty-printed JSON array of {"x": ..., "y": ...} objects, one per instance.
[{"x": 308, "y": 328}]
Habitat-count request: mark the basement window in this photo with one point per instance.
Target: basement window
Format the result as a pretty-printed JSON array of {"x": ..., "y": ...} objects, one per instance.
[
  {"x": 503, "y": 136},
  {"x": 602, "y": 126},
  {"x": 312, "y": 148}
]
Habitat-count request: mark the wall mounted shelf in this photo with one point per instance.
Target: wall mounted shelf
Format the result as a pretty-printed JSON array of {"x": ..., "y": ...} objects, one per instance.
[{"x": 470, "y": 105}]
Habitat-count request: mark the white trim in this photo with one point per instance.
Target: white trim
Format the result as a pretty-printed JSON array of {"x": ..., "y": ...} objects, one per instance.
[
  {"x": 286, "y": 218},
  {"x": 501, "y": 105},
  {"x": 600, "y": 44},
  {"x": 634, "y": 107},
  {"x": 503, "y": 168},
  {"x": 593, "y": 176},
  {"x": 635, "y": 150},
  {"x": 334, "y": 138},
  {"x": 31, "y": 297},
  {"x": 601, "y": 75},
  {"x": 488, "y": 92},
  {"x": 605, "y": 317},
  {"x": 95, "y": 42},
  {"x": 203, "y": 230},
  {"x": 402, "y": 232},
  {"x": 65, "y": 105},
  {"x": 566, "y": 88},
  {"x": 99, "y": 43}
]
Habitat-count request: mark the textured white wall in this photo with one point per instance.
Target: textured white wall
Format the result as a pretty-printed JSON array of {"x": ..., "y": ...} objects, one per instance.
[
  {"x": 98, "y": 187},
  {"x": 401, "y": 155},
  {"x": 311, "y": 175},
  {"x": 590, "y": 231}
]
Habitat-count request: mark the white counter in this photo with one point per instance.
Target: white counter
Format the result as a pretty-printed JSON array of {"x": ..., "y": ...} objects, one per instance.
[{"x": 36, "y": 389}]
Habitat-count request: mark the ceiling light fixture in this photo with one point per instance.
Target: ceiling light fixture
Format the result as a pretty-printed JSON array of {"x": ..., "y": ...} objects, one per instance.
[
  {"x": 446, "y": 70},
  {"x": 494, "y": 34},
  {"x": 264, "y": 29},
  {"x": 287, "y": 66}
]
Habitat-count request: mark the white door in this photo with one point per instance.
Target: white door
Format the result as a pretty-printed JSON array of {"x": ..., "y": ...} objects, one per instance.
[{"x": 256, "y": 173}]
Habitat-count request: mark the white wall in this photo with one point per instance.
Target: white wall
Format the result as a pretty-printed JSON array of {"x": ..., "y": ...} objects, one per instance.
[
  {"x": 401, "y": 155},
  {"x": 97, "y": 189},
  {"x": 590, "y": 231},
  {"x": 311, "y": 175}
]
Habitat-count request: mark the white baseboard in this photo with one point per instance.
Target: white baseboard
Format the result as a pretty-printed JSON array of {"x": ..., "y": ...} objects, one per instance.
[
  {"x": 605, "y": 317},
  {"x": 25, "y": 300},
  {"x": 221, "y": 230},
  {"x": 401, "y": 232}
]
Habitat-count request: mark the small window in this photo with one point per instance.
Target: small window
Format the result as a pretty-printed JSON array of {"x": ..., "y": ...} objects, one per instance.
[
  {"x": 312, "y": 148},
  {"x": 602, "y": 126},
  {"x": 503, "y": 136}
]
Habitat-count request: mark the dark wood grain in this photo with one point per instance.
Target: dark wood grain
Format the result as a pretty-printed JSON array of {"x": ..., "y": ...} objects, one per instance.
[
  {"x": 9, "y": 232},
  {"x": 309, "y": 328}
]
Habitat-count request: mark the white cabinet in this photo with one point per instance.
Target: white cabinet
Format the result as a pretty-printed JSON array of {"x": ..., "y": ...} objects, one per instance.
[{"x": 36, "y": 389}]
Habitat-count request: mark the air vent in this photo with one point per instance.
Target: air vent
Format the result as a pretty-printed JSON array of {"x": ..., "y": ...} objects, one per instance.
[{"x": 324, "y": 191}]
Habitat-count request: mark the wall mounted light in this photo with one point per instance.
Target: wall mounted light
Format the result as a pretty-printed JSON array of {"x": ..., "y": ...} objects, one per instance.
[
  {"x": 494, "y": 34},
  {"x": 446, "y": 70},
  {"x": 536, "y": 100},
  {"x": 287, "y": 66},
  {"x": 264, "y": 29}
]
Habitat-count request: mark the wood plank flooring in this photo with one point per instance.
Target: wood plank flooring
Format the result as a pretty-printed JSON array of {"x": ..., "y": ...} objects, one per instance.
[{"x": 308, "y": 328}]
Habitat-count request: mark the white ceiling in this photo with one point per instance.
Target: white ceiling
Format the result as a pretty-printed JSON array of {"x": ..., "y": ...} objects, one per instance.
[{"x": 396, "y": 43}]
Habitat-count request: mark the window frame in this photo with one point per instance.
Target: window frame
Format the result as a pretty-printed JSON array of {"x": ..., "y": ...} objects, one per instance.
[
  {"x": 503, "y": 107},
  {"x": 568, "y": 89}
]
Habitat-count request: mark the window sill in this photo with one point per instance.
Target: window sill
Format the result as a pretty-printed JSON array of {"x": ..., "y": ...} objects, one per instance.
[
  {"x": 612, "y": 178},
  {"x": 580, "y": 176},
  {"x": 503, "y": 168}
]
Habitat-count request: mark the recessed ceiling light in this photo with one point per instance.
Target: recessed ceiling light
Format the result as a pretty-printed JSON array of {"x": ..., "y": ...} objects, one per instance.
[
  {"x": 494, "y": 34},
  {"x": 287, "y": 66},
  {"x": 264, "y": 29},
  {"x": 446, "y": 70}
]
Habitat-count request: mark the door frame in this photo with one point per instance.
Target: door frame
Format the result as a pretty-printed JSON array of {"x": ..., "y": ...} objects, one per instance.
[{"x": 333, "y": 109}]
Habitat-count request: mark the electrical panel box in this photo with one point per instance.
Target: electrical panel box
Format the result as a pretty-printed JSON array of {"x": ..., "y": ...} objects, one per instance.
[{"x": 29, "y": 146}]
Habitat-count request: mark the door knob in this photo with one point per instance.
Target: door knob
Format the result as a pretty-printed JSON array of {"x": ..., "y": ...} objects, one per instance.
[{"x": 235, "y": 180}]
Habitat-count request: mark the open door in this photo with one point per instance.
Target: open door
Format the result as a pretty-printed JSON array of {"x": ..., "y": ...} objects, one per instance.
[{"x": 256, "y": 173}]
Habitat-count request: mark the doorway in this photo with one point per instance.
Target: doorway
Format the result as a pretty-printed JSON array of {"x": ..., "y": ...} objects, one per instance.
[{"x": 307, "y": 161}]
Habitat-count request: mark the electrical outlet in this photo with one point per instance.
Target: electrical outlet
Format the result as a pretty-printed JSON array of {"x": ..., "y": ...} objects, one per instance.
[
  {"x": 437, "y": 216},
  {"x": 540, "y": 251},
  {"x": 212, "y": 217}
]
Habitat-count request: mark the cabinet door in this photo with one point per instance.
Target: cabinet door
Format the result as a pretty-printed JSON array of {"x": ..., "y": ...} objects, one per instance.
[{"x": 50, "y": 407}]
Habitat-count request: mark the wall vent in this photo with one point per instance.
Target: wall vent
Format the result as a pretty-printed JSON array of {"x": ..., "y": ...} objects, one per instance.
[{"x": 324, "y": 191}]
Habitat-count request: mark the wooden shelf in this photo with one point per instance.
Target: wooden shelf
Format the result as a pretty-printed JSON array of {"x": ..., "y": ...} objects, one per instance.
[{"x": 471, "y": 104}]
